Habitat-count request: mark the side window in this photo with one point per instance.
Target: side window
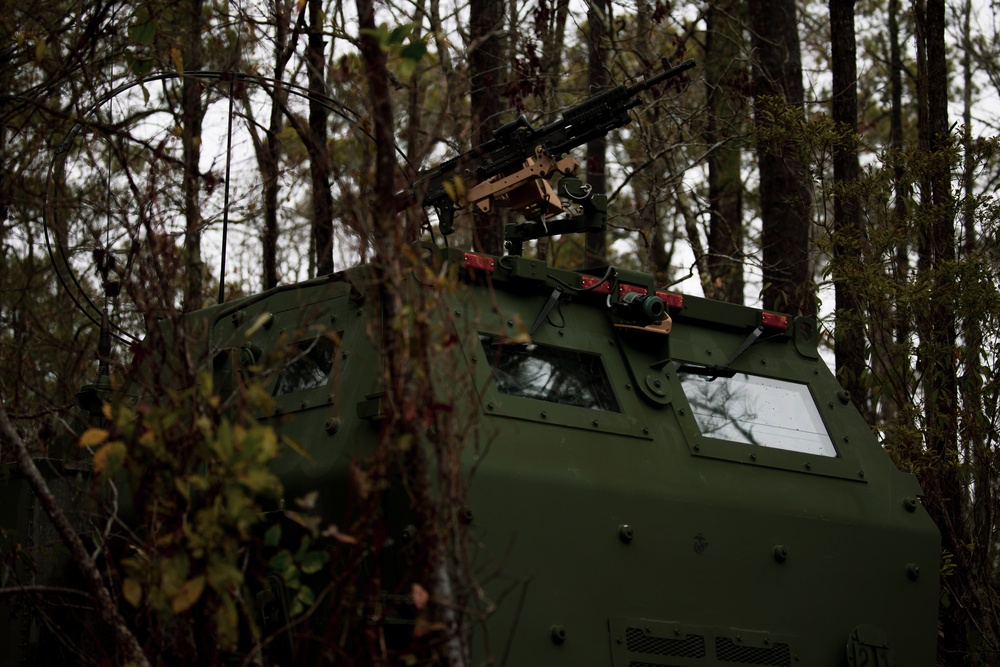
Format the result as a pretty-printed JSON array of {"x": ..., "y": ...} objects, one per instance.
[
  {"x": 308, "y": 367},
  {"x": 553, "y": 374},
  {"x": 755, "y": 410}
]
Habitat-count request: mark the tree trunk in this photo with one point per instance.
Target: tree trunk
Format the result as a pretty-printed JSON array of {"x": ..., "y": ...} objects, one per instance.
[
  {"x": 319, "y": 168},
  {"x": 946, "y": 498},
  {"x": 598, "y": 18},
  {"x": 723, "y": 78},
  {"x": 192, "y": 116},
  {"x": 848, "y": 232},
  {"x": 485, "y": 19},
  {"x": 785, "y": 197}
]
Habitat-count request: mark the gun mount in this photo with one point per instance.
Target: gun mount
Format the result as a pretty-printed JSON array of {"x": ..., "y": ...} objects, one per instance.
[{"x": 512, "y": 169}]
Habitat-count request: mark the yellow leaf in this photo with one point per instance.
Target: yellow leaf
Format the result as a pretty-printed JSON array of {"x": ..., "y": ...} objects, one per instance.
[
  {"x": 109, "y": 457},
  {"x": 175, "y": 55},
  {"x": 227, "y": 624},
  {"x": 106, "y": 409},
  {"x": 93, "y": 436},
  {"x": 258, "y": 324},
  {"x": 132, "y": 590},
  {"x": 188, "y": 594}
]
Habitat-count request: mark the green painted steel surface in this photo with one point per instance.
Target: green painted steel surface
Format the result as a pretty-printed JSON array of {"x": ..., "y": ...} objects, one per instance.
[{"x": 617, "y": 522}]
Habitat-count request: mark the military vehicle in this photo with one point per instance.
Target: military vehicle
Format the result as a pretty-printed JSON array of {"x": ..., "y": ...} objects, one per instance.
[{"x": 656, "y": 479}]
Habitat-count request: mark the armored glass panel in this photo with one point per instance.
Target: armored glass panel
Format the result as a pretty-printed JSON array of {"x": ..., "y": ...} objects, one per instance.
[
  {"x": 309, "y": 368},
  {"x": 553, "y": 374},
  {"x": 755, "y": 410}
]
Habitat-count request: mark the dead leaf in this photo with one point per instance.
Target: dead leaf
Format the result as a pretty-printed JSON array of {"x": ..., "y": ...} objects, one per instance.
[{"x": 420, "y": 596}]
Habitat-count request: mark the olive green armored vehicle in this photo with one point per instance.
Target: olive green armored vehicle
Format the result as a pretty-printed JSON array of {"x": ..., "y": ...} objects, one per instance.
[{"x": 655, "y": 479}]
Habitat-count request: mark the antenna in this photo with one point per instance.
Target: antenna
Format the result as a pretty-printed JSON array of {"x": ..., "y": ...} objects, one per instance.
[{"x": 231, "y": 75}]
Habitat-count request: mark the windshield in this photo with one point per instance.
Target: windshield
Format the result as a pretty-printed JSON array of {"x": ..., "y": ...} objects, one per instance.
[
  {"x": 557, "y": 375},
  {"x": 309, "y": 368},
  {"x": 754, "y": 410}
]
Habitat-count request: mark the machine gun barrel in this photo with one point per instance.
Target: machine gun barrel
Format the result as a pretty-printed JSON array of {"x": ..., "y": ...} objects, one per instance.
[{"x": 516, "y": 142}]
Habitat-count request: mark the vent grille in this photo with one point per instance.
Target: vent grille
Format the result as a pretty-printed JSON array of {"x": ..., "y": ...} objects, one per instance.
[
  {"x": 778, "y": 655},
  {"x": 689, "y": 646}
]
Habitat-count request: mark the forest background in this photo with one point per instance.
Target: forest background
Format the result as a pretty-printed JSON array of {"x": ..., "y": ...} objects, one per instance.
[{"x": 836, "y": 158}]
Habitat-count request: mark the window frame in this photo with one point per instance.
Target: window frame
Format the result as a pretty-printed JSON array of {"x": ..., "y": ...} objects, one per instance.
[{"x": 846, "y": 465}]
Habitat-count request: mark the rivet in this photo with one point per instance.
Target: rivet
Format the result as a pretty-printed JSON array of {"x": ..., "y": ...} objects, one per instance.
[
  {"x": 558, "y": 634},
  {"x": 333, "y": 318},
  {"x": 466, "y": 515},
  {"x": 333, "y": 425},
  {"x": 345, "y": 354},
  {"x": 489, "y": 406},
  {"x": 763, "y": 362},
  {"x": 594, "y": 423},
  {"x": 628, "y": 386},
  {"x": 913, "y": 571},
  {"x": 910, "y": 503},
  {"x": 697, "y": 448},
  {"x": 861, "y": 474},
  {"x": 458, "y": 313},
  {"x": 645, "y": 430},
  {"x": 657, "y": 384},
  {"x": 753, "y": 457},
  {"x": 808, "y": 466},
  {"x": 543, "y": 414},
  {"x": 560, "y": 332},
  {"x": 681, "y": 412},
  {"x": 780, "y": 553},
  {"x": 847, "y": 438},
  {"x": 625, "y": 533},
  {"x": 708, "y": 351},
  {"x": 510, "y": 323}
]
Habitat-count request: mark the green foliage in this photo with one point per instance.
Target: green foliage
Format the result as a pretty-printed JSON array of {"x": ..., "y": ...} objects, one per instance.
[
  {"x": 399, "y": 42},
  {"x": 199, "y": 477}
]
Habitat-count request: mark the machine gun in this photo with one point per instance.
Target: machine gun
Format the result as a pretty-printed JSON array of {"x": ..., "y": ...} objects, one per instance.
[{"x": 513, "y": 167}]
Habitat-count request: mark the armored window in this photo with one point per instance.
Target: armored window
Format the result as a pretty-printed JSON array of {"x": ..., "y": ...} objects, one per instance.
[
  {"x": 308, "y": 367},
  {"x": 556, "y": 375},
  {"x": 754, "y": 410}
]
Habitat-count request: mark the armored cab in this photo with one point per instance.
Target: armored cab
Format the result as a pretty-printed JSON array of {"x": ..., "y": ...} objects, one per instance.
[{"x": 658, "y": 479}]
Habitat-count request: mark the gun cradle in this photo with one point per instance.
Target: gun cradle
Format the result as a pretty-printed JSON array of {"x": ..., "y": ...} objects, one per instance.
[{"x": 526, "y": 190}]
